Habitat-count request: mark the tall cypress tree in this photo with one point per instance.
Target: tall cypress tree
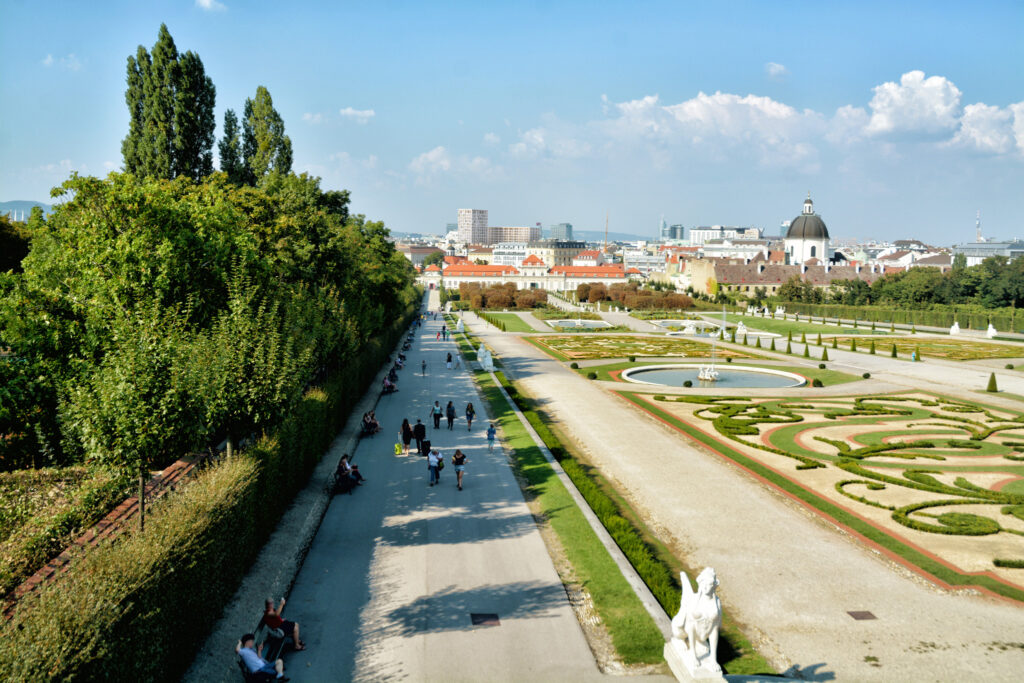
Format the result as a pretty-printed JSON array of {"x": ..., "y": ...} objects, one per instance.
[
  {"x": 265, "y": 147},
  {"x": 171, "y": 104},
  {"x": 230, "y": 148}
]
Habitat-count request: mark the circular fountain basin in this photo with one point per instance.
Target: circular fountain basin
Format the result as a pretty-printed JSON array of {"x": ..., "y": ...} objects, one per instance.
[
  {"x": 729, "y": 376},
  {"x": 592, "y": 324}
]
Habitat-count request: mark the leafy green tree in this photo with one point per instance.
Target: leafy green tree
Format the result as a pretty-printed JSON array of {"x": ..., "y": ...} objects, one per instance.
[
  {"x": 171, "y": 113},
  {"x": 434, "y": 257},
  {"x": 230, "y": 148},
  {"x": 265, "y": 147},
  {"x": 14, "y": 244}
]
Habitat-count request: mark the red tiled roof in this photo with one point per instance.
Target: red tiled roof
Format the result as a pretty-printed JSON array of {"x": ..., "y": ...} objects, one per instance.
[
  {"x": 452, "y": 260},
  {"x": 533, "y": 260},
  {"x": 632, "y": 271},
  {"x": 589, "y": 254},
  {"x": 470, "y": 269},
  {"x": 433, "y": 268},
  {"x": 589, "y": 271}
]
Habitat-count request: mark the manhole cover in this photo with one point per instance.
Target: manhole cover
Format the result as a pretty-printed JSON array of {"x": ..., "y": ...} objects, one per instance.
[
  {"x": 483, "y": 619},
  {"x": 861, "y": 615}
]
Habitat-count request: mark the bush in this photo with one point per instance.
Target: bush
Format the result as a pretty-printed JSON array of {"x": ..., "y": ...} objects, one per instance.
[
  {"x": 817, "y": 383},
  {"x": 992, "y": 383},
  {"x": 591, "y": 375},
  {"x": 729, "y": 359},
  {"x": 893, "y": 353},
  {"x": 688, "y": 383},
  {"x": 1009, "y": 366},
  {"x": 632, "y": 359},
  {"x": 866, "y": 375},
  {"x": 574, "y": 365},
  {"x": 821, "y": 366}
]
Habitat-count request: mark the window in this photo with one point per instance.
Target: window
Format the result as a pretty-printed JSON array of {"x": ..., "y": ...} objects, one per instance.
[{"x": 814, "y": 252}]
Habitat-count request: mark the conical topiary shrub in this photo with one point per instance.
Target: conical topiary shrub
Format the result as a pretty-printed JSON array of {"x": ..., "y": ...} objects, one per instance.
[
  {"x": 892, "y": 326},
  {"x": 917, "y": 353},
  {"x": 854, "y": 323},
  {"x": 789, "y": 336},
  {"x": 992, "y": 384},
  {"x": 853, "y": 344},
  {"x": 913, "y": 329},
  {"x": 893, "y": 354},
  {"x": 744, "y": 340},
  {"x": 819, "y": 339},
  {"x": 824, "y": 354},
  {"x": 772, "y": 348},
  {"x": 807, "y": 350},
  {"x": 872, "y": 351},
  {"x": 872, "y": 325},
  {"x": 789, "y": 347},
  {"x": 757, "y": 342},
  {"x": 835, "y": 342},
  {"x": 803, "y": 337}
]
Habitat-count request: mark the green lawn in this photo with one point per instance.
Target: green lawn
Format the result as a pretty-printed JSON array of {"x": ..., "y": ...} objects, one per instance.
[
  {"x": 827, "y": 377},
  {"x": 513, "y": 323},
  {"x": 784, "y": 327},
  {"x": 933, "y": 347},
  {"x": 633, "y": 632}
]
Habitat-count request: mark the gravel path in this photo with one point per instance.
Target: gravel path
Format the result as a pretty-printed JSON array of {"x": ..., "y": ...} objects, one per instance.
[{"x": 788, "y": 574}]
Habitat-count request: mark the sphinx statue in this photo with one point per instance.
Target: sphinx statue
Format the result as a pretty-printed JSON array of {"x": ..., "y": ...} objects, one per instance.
[
  {"x": 955, "y": 329},
  {"x": 695, "y": 629}
]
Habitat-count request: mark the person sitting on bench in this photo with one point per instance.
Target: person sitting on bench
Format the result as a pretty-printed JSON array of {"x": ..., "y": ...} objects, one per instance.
[
  {"x": 259, "y": 668},
  {"x": 347, "y": 471},
  {"x": 273, "y": 619},
  {"x": 389, "y": 386}
]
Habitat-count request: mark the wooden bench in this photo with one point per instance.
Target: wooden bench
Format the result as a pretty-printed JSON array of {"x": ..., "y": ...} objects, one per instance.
[{"x": 272, "y": 640}]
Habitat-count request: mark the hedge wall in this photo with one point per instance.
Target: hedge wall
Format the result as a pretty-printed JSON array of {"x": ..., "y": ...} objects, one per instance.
[
  {"x": 139, "y": 608},
  {"x": 1003, "y": 319}
]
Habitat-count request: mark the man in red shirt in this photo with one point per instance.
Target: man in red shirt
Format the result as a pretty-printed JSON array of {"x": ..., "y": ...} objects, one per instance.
[{"x": 272, "y": 618}]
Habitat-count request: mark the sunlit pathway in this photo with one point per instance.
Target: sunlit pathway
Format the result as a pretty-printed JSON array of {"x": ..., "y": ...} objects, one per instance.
[{"x": 398, "y": 568}]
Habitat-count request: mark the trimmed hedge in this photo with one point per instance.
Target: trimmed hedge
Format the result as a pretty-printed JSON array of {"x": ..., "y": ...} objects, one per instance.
[{"x": 139, "y": 608}]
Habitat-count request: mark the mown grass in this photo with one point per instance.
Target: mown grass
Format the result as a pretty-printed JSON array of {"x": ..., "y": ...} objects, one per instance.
[
  {"x": 872, "y": 533},
  {"x": 634, "y": 635},
  {"x": 596, "y": 570},
  {"x": 784, "y": 327},
  {"x": 512, "y": 322}
]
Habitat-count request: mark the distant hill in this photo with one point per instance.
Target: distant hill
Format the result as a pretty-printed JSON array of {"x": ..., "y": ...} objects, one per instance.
[{"x": 17, "y": 206}]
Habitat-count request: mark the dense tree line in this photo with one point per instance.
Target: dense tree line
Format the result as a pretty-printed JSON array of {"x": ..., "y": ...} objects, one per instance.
[
  {"x": 631, "y": 295},
  {"x": 994, "y": 283},
  {"x": 505, "y": 295},
  {"x": 153, "y": 316}
]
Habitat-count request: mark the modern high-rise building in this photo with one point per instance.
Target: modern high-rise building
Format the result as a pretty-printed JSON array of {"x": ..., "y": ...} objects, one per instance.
[
  {"x": 517, "y": 233},
  {"x": 450, "y": 227},
  {"x": 473, "y": 226},
  {"x": 677, "y": 232},
  {"x": 561, "y": 231}
]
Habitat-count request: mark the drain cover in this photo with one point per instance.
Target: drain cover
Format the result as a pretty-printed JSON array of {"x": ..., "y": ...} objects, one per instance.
[
  {"x": 484, "y": 619},
  {"x": 861, "y": 615}
]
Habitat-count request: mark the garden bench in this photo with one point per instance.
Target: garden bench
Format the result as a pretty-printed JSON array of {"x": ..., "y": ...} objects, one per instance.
[{"x": 273, "y": 641}]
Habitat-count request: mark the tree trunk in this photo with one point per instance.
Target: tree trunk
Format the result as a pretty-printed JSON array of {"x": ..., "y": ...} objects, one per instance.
[
  {"x": 142, "y": 499},
  {"x": 230, "y": 448}
]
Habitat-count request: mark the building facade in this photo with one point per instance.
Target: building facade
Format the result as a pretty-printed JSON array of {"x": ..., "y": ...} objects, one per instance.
[
  {"x": 561, "y": 231},
  {"x": 702, "y": 234},
  {"x": 516, "y": 233},
  {"x": 473, "y": 226},
  {"x": 976, "y": 252},
  {"x": 807, "y": 237}
]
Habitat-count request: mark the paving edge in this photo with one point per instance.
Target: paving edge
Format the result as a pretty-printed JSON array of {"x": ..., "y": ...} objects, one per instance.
[
  {"x": 275, "y": 569},
  {"x": 653, "y": 607}
]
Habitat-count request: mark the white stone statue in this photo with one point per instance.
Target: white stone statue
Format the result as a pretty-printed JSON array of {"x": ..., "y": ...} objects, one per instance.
[
  {"x": 447, "y": 306},
  {"x": 741, "y": 330},
  {"x": 955, "y": 329},
  {"x": 991, "y": 332},
  {"x": 460, "y": 327},
  {"x": 690, "y": 328},
  {"x": 483, "y": 356},
  {"x": 780, "y": 311},
  {"x": 695, "y": 629}
]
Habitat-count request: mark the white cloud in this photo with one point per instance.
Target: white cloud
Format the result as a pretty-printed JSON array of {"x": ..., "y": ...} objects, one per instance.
[
  {"x": 1018, "y": 124},
  {"x": 987, "y": 129},
  {"x": 848, "y": 125},
  {"x": 431, "y": 162},
  {"x": 438, "y": 161},
  {"x": 916, "y": 104},
  {"x": 359, "y": 115},
  {"x": 491, "y": 139},
  {"x": 313, "y": 118},
  {"x": 211, "y": 5},
  {"x": 775, "y": 70},
  {"x": 70, "y": 62},
  {"x": 109, "y": 165}
]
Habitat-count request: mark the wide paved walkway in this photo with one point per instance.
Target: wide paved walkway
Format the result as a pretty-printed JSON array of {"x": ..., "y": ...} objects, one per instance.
[
  {"x": 397, "y": 569},
  {"x": 788, "y": 575}
]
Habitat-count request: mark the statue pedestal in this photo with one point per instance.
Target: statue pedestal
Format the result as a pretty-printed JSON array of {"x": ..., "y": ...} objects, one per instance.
[{"x": 684, "y": 666}]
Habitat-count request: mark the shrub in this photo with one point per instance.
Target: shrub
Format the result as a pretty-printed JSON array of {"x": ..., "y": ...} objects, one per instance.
[
  {"x": 772, "y": 347},
  {"x": 1009, "y": 366},
  {"x": 992, "y": 383},
  {"x": 917, "y": 353},
  {"x": 872, "y": 349},
  {"x": 824, "y": 354},
  {"x": 591, "y": 375},
  {"x": 853, "y": 344},
  {"x": 688, "y": 383},
  {"x": 574, "y": 365},
  {"x": 835, "y": 342},
  {"x": 632, "y": 359},
  {"x": 807, "y": 351},
  {"x": 866, "y": 375},
  {"x": 789, "y": 347},
  {"x": 817, "y": 383},
  {"x": 821, "y": 366},
  {"x": 729, "y": 359},
  {"x": 893, "y": 353},
  {"x": 1008, "y": 564},
  {"x": 757, "y": 342}
]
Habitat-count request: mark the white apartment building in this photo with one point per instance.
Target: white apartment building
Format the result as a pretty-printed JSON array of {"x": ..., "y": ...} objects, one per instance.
[
  {"x": 473, "y": 226},
  {"x": 518, "y": 233},
  {"x": 508, "y": 254},
  {"x": 702, "y": 234}
]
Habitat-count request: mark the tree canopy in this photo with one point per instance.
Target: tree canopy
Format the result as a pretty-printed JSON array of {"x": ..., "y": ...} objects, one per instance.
[{"x": 265, "y": 147}]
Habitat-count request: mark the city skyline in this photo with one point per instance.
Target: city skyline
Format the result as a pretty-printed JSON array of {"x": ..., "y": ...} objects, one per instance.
[{"x": 900, "y": 120}]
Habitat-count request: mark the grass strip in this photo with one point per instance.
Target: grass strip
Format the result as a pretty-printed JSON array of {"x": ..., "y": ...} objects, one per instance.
[
  {"x": 510, "y": 322},
  {"x": 869, "y": 531},
  {"x": 635, "y": 636}
]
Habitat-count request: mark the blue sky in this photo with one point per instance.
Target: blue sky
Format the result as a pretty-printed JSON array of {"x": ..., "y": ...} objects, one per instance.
[{"x": 901, "y": 119}]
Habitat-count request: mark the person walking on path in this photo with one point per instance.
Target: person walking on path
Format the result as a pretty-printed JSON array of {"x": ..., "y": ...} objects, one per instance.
[
  {"x": 449, "y": 412},
  {"x": 491, "y": 433},
  {"x": 448, "y": 363},
  {"x": 459, "y": 462},
  {"x": 470, "y": 414},
  {"x": 438, "y": 337},
  {"x": 423, "y": 366},
  {"x": 406, "y": 434},
  {"x": 419, "y": 432},
  {"x": 437, "y": 411},
  {"x": 433, "y": 460}
]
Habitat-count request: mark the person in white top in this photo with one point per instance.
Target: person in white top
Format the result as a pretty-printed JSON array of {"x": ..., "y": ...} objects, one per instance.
[
  {"x": 260, "y": 668},
  {"x": 433, "y": 464}
]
